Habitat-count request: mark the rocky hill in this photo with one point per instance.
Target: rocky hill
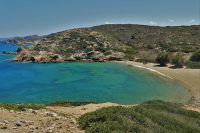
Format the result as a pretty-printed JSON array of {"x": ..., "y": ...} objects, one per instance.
[{"x": 112, "y": 42}]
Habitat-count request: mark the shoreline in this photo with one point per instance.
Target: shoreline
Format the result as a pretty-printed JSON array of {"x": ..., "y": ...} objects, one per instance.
[
  {"x": 188, "y": 78},
  {"x": 152, "y": 70}
]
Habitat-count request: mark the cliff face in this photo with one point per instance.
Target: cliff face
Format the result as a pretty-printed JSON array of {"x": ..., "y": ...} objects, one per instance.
[{"x": 112, "y": 42}]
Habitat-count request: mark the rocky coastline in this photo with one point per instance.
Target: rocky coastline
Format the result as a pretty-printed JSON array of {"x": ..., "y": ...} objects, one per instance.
[{"x": 25, "y": 55}]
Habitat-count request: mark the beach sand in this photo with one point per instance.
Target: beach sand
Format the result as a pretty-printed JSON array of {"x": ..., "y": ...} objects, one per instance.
[{"x": 189, "y": 78}]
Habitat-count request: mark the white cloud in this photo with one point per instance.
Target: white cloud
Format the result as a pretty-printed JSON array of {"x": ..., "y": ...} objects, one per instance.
[
  {"x": 153, "y": 23},
  {"x": 171, "y": 20},
  {"x": 107, "y": 22},
  {"x": 192, "y": 21}
]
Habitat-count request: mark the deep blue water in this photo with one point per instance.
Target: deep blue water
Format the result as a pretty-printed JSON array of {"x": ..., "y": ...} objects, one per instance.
[
  {"x": 101, "y": 82},
  {"x": 8, "y": 47}
]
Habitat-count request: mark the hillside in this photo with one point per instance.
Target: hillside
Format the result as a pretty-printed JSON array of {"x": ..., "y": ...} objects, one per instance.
[
  {"x": 148, "y": 117},
  {"x": 113, "y": 42},
  {"x": 71, "y": 117}
]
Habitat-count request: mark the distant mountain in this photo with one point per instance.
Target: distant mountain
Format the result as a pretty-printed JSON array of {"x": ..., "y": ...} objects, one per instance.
[
  {"x": 21, "y": 40},
  {"x": 113, "y": 42}
]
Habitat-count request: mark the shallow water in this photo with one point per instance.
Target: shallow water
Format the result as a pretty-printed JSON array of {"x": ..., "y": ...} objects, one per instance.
[{"x": 101, "y": 82}]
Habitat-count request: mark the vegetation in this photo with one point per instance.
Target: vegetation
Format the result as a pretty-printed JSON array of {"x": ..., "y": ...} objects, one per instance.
[
  {"x": 194, "y": 61},
  {"x": 66, "y": 103},
  {"x": 162, "y": 58},
  {"x": 130, "y": 53},
  {"x": 133, "y": 41},
  {"x": 168, "y": 47},
  {"x": 177, "y": 60},
  {"x": 192, "y": 64},
  {"x": 149, "y": 117},
  {"x": 21, "y": 107},
  {"x": 195, "y": 56}
]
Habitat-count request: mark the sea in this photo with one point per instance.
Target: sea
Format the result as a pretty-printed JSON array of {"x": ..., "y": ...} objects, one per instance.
[{"x": 82, "y": 81}]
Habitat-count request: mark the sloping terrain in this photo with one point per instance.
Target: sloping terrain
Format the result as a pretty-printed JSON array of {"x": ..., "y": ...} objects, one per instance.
[
  {"x": 112, "y": 42},
  {"x": 149, "y": 117},
  {"x": 73, "y": 117}
]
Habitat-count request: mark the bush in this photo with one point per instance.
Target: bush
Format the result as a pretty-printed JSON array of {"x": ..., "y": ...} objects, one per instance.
[
  {"x": 192, "y": 64},
  {"x": 177, "y": 61},
  {"x": 101, "y": 49},
  {"x": 70, "y": 103},
  {"x": 130, "y": 53},
  {"x": 195, "y": 56},
  {"x": 21, "y": 107},
  {"x": 162, "y": 58},
  {"x": 149, "y": 117},
  {"x": 150, "y": 46},
  {"x": 168, "y": 47}
]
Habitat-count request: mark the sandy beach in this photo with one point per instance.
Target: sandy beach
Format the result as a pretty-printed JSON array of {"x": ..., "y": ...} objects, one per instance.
[{"x": 189, "y": 78}]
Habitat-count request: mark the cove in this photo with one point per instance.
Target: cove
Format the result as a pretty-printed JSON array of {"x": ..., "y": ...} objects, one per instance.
[{"x": 81, "y": 81}]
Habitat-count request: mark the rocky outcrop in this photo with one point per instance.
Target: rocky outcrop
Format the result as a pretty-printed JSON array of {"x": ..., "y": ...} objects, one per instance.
[
  {"x": 50, "y": 57},
  {"x": 25, "y": 55}
]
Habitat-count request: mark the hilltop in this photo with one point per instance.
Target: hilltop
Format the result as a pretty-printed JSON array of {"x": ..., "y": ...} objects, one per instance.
[{"x": 113, "y": 42}]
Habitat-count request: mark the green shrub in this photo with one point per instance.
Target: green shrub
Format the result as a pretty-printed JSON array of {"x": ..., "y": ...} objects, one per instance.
[
  {"x": 168, "y": 47},
  {"x": 187, "y": 49},
  {"x": 192, "y": 64},
  {"x": 101, "y": 49},
  {"x": 21, "y": 107},
  {"x": 150, "y": 46},
  {"x": 71, "y": 103},
  {"x": 195, "y": 56},
  {"x": 162, "y": 58},
  {"x": 177, "y": 61},
  {"x": 130, "y": 53},
  {"x": 149, "y": 117}
]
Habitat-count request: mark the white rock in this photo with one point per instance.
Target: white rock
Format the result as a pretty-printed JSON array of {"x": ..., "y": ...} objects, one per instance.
[
  {"x": 11, "y": 111},
  {"x": 6, "y": 122},
  {"x": 50, "y": 131},
  {"x": 18, "y": 124},
  {"x": 14, "y": 128}
]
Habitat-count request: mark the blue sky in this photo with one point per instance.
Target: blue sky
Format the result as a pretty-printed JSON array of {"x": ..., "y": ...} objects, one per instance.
[{"x": 26, "y": 17}]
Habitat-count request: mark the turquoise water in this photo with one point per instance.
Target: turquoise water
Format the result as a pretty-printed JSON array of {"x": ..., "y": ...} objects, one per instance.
[{"x": 101, "y": 82}]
